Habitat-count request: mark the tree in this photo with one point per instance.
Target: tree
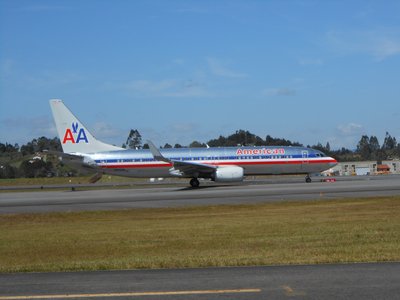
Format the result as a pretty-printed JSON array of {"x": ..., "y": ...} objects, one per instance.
[
  {"x": 374, "y": 144},
  {"x": 389, "y": 143},
  {"x": 343, "y": 154},
  {"x": 134, "y": 140},
  {"x": 390, "y": 146},
  {"x": 35, "y": 168},
  {"x": 167, "y": 146},
  {"x": 375, "y": 149},
  {"x": 219, "y": 142},
  {"x": 55, "y": 144},
  {"x": 270, "y": 141},
  {"x": 28, "y": 148},
  {"x": 328, "y": 147},
  {"x": 398, "y": 151},
  {"x": 319, "y": 147},
  {"x": 240, "y": 137},
  {"x": 196, "y": 144},
  {"x": 8, "y": 148},
  {"x": 363, "y": 148},
  {"x": 40, "y": 144},
  {"x": 7, "y": 171}
]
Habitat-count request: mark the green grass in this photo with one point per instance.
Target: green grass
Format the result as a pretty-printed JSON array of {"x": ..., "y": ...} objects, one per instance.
[
  {"x": 105, "y": 180},
  {"x": 64, "y": 180},
  {"x": 349, "y": 230}
]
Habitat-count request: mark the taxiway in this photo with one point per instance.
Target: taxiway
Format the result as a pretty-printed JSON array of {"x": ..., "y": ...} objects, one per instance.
[
  {"x": 213, "y": 194},
  {"x": 342, "y": 281}
]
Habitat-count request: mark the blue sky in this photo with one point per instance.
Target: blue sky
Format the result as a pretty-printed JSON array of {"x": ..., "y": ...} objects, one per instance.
[{"x": 178, "y": 71}]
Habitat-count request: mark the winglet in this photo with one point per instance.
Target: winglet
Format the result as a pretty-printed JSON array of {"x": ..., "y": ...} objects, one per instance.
[{"x": 156, "y": 153}]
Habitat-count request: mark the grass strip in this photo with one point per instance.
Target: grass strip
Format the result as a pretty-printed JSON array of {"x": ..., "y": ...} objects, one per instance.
[
  {"x": 347, "y": 230},
  {"x": 107, "y": 179}
]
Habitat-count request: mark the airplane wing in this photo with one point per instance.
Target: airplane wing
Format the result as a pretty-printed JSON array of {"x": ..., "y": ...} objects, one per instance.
[
  {"x": 183, "y": 168},
  {"x": 193, "y": 169}
]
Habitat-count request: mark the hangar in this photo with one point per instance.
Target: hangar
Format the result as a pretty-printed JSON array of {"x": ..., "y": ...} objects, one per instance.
[{"x": 359, "y": 168}]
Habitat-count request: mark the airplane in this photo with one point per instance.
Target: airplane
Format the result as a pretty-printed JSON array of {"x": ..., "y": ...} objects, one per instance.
[{"x": 219, "y": 164}]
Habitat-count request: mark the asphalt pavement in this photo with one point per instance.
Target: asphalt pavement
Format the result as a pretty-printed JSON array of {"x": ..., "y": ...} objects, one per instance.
[
  {"x": 212, "y": 194},
  {"x": 340, "y": 281}
]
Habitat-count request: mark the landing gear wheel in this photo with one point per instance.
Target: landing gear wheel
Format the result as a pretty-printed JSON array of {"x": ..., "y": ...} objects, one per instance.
[
  {"x": 308, "y": 179},
  {"x": 194, "y": 182}
]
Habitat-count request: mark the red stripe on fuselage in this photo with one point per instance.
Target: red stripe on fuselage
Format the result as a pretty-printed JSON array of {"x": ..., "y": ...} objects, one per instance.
[
  {"x": 232, "y": 163},
  {"x": 131, "y": 166}
]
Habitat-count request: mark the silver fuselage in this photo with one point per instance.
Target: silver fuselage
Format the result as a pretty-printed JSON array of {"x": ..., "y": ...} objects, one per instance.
[{"x": 254, "y": 160}]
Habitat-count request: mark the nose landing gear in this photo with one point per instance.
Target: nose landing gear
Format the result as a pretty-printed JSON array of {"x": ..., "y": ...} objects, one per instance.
[{"x": 308, "y": 179}]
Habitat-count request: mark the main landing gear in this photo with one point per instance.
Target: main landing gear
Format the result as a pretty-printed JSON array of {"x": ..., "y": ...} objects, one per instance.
[
  {"x": 194, "y": 182},
  {"x": 308, "y": 179}
]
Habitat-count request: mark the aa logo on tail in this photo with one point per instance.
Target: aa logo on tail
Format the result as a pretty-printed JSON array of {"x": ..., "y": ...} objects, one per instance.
[{"x": 75, "y": 136}]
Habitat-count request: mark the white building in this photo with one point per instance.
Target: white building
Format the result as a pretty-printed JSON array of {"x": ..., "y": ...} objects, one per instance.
[{"x": 352, "y": 168}]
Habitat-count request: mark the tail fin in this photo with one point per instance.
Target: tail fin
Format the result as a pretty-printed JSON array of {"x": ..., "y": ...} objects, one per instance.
[{"x": 75, "y": 138}]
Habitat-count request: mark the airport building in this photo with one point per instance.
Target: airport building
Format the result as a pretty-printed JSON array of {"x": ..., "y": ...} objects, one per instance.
[{"x": 359, "y": 168}]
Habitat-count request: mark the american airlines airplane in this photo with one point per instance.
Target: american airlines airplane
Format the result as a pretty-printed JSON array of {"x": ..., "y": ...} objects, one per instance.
[{"x": 225, "y": 164}]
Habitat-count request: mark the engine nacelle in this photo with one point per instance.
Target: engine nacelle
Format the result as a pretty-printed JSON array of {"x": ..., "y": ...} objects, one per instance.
[{"x": 228, "y": 174}]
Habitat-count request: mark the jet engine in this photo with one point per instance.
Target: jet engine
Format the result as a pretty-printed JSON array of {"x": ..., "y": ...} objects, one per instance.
[{"x": 228, "y": 174}]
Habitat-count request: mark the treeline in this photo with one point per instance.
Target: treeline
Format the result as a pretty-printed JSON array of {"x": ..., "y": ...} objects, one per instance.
[
  {"x": 239, "y": 138},
  {"x": 24, "y": 161},
  {"x": 32, "y": 147},
  {"x": 20, "y": 161},
  {"x": 368, "y": 148}
]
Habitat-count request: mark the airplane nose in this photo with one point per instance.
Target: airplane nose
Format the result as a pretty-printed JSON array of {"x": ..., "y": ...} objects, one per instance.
[{"x": 334, "y": 162}]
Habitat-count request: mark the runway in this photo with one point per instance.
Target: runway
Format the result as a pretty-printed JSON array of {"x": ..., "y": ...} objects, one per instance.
[
  {"x": 340, "y": 281},
  {"x": 212, "y": 194},
  {"x": 343, "y": 281}
]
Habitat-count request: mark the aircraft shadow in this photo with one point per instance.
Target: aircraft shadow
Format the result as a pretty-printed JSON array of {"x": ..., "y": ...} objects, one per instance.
[{"x": 189, "y": 188}]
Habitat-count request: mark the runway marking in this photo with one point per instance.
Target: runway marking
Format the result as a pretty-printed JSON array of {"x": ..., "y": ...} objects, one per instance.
[{"x": 131, "y": 294}]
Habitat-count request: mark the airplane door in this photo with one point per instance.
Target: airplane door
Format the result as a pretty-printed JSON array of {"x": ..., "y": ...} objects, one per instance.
[
  {"x": 304, "y": 155},
  {"x": 304, "y": 162}
]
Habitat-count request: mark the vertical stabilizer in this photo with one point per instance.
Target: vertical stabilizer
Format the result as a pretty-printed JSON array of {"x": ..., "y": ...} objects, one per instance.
[{"x": 74, "y": 136}]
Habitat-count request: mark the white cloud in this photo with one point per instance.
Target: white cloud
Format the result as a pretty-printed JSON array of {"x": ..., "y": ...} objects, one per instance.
[
  {"x": 7, "y": 66},
  {"x": 346, "y": 135},
  {"x": 163, "y": 88},
  {"x": 380, "y": 43},
  {"x": 104, "y": 130},
  {"x": 350, "y": 129},
  {"x": 220, "y": 69},
  {"x": 53, "y": 79},
  {"x": 311, "y": 62},
  {"x": 45, "y": 8},
  {"x": 192, "y": 10},
  {"x": 279, "y": 92},
  {"x": 182, "y": 133},
  {"x": 386, "y": 47},
  {"x": 43, "y": 79},
  {"x": 187, "y": 127},
  {"x": 195, "y": 85},
  {"x": 178, "y": 61},
  {"x": 151, "y": 87},
  {"x": 24, "y": 129}
]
